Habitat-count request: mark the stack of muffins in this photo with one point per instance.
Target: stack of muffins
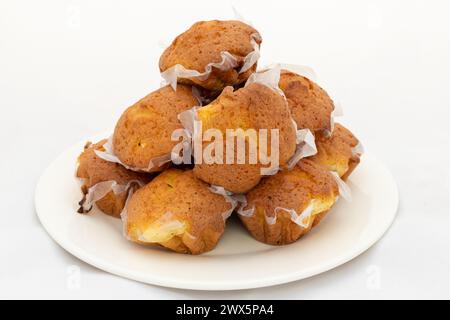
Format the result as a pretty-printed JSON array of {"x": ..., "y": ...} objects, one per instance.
[{"x": 210, "y": 74}]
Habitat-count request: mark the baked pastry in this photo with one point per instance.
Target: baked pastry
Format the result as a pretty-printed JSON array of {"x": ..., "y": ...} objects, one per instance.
[
  {"x": 105, "y": 183},
  {"x": 339, "y": 152},
  {"x": 176, "y": 211},
  {"x": 142, "y": 137},
  {"x": 212, "y": 54},
  {"x": 262, "y": 140},
  {"x": 310, "y": 105},
  {"x": 284, "y": 207},
  {"x": 254, "y": 107}
]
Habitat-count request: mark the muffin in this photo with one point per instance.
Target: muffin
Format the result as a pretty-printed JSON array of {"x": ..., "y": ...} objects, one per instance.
[
  {"x": 310, "y": 105},
  {"x": 339, "y": 152},
  {"x": 178, "y": 212},
  {"x": 105, "y": 183},
  {"x": 284, "y": 207},
  {"x": 253, "y": 107},
  {"x": 142, "y": 137},
  {"x": 212, "y": 54}
]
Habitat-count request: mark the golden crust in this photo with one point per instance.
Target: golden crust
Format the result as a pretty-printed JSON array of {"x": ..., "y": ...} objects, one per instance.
[
  {"x": 94, "y": 170},
  {"x": 203, "y": 43},
  {"x": 307, "y": 183},
  {"x": 178, "y": 212},
  {"x": 144, "y": 130},
  {"x": 310, "y": 105},
  {"x": 335, "y": 152},
  {"x": 253, "y": 107}
]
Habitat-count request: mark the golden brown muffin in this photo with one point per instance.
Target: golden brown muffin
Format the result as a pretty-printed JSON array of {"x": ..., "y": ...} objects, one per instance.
[
  {"x": 143, "y": 132},
  {"x": 284, "y": 207},
  {"x": 94, "y": 170},
  {"x": 310, "y": 105},
  {"x": 178, "y": 212},
  {"x": 337, "y": 152},
  {"x": 203, "y": 44},
  {"x": 253, "y": 107}
]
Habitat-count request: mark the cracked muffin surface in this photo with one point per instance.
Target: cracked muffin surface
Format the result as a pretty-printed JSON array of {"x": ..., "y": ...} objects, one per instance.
[{"x": 178, "y": 212}]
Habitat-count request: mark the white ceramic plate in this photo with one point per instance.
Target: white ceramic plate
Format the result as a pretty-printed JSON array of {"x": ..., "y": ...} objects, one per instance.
[{"x": 239, "y": 261}]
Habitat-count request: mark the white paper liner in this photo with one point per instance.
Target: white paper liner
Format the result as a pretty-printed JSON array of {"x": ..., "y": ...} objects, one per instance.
[
  {"x": 228, "y": 61},
  {"x": 295, "y": 217},
  {"x": 338, "y": 111},
  {"x": 306, "y": 147},
  {"x": 269, "y": 76},
  {"x": 301, "y": 70},
  {"x": 344, "y": 190},
  {"x": 124, "y": 215},
  {"x": 187, "y": 119},
  {"x": 358, "y": 149},
  {"x": 229, "y": 197},
  {"x": 270, "y": 220},
  {"x": 108, "y": 155},
  {"x": 242, "y": 199},
  {"x": 198, "y": 95},
  {"x": 251, "y": 58},
  {"x": 269, "y": 172},
  {"x": 246, "y": 212},
  {"x": 101, "y": 189}
]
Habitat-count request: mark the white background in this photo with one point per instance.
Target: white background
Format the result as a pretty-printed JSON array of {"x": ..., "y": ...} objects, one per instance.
[{"x": 69, "y": 68}]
